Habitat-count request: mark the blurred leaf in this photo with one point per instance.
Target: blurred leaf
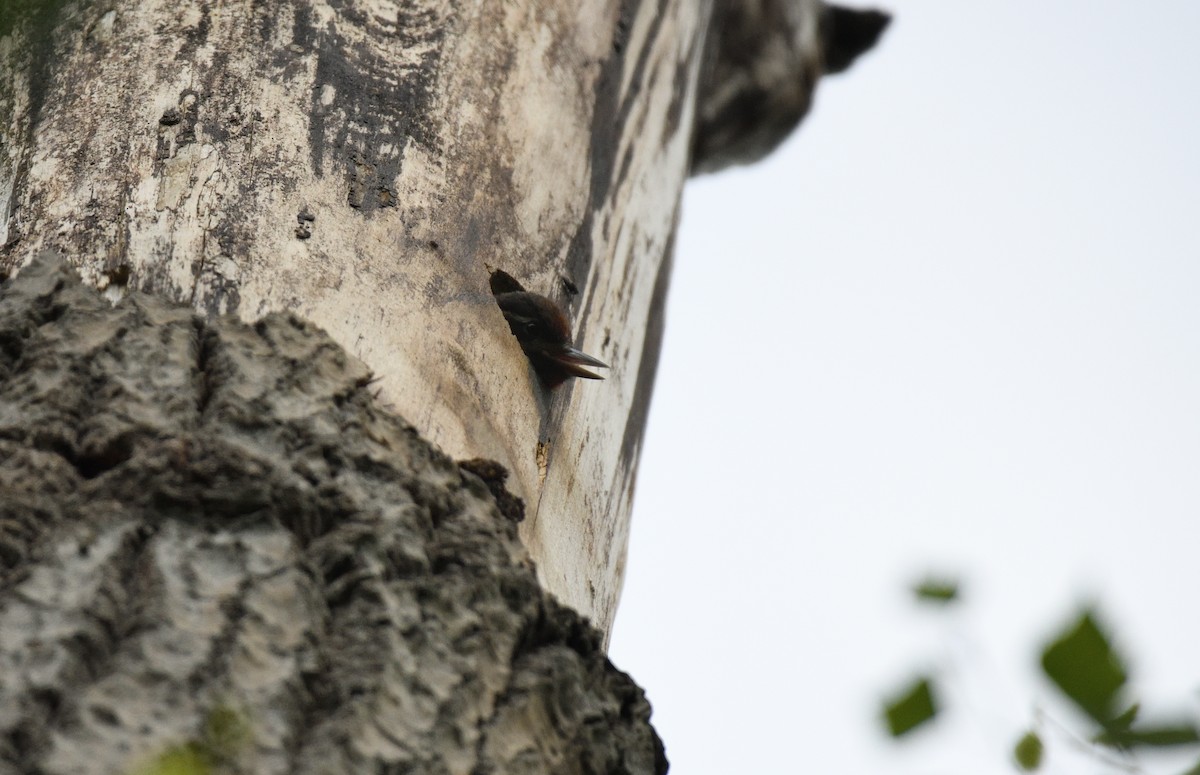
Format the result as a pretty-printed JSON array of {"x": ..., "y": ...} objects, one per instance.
[
  {"x": 933, "y": 590},
  {"x": 1160, "y": 736},
  {"x": 911, "y": 709},
  {"x": 1126, "y": 719},
  {"x": 1193, "y": 770},
  {"x": 184, "y": 759},
  {"x": 1028, "y": 752},
  {"x": 1081, "y": 661},
  {"x": 226, "y": 731}
]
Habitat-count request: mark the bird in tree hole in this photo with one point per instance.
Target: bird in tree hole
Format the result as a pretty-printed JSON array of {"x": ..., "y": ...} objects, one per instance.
[{"x": 543, "y": 331}]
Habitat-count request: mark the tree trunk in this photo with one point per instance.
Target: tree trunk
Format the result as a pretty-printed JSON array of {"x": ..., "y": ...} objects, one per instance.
[
  {"x": 363, "y": 164},
  {"x": 214, "y": 544},
  {"x": 217, "y": 549}
]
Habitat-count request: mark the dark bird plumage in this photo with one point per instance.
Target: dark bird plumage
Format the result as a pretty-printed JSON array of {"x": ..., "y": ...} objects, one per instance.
[{"x": 543, "y": 331}]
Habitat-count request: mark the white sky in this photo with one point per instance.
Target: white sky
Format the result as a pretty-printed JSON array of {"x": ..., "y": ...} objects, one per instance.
[{"x": 953, "y": 325}]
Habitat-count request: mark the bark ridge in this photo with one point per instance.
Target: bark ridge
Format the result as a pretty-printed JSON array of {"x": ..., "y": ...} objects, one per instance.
[{"x": 215, "y": 544}]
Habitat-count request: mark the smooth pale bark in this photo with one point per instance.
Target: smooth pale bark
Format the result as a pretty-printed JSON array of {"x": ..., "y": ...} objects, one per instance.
[{"x": 363, "y": 164}]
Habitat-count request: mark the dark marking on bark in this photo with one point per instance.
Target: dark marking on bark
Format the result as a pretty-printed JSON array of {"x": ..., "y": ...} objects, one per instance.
[
  {"x": 105, "y": 715},
  {"x": 366, "y": 108},
  {"x": 189, "y": 114},
  {"x": 42, "y": 18},
  {"x": 29, "y": 736},
  {"x": 626, "y": 161},
  {"x": 621, "y": 33},
  {"x": 610, "y": 114},
  {"x": 156, "y": 278},
  {"x": 162, "y": 149},
  {"x": 118, "y": 274},
  {"x": 303, "y": 32},
  {"x": 214, "y": 128},
  {"x": 679, "y": 95},
  {"x": 103, "y": 455},
  {"x": 304, "y": 222},
  {"x": 203, "y": 378},
  {"x": 222, "y": 293},
  {"x": 647, "y": 371},
  {"x": 493, "y": 475},
  {"x": 359, "y": 175},
  {"x": 196, "y": 36}
]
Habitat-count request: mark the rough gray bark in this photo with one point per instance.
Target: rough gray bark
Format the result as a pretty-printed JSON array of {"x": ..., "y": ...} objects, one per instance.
[{"x": 216, "y": 547}]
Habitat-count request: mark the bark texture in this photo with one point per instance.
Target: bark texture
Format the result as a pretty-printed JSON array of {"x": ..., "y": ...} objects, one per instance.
[
  {"x": 762, "y": 62},
  {"x": 362, "y": 163},
  {"x": 217, "y": 549}
]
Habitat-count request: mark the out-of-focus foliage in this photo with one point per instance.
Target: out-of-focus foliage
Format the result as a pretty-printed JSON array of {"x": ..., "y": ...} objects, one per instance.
[
  {"x": 1081, "y": 661},
  {"x": 225, "y": 734},
  {"x": 1083, "y": 664},
  {"x": 937, "y": 590},
  {"x": 185, "y": 759},
  {"x": 1028, "y": 752},
  {"x": 910, "y": 708}
]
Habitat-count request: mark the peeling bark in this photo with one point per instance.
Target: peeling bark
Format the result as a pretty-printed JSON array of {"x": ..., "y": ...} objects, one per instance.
[{"x": 216, "y": 546}]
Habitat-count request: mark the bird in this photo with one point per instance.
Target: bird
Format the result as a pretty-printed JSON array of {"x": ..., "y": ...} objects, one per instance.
[{"x": 543, "y": 331}]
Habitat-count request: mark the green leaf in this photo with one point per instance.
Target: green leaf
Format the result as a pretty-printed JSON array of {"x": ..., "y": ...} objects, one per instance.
[
  {"x": 185, "y": 759},
  {"x": 1028, "y": 752},
  {"x": 934, "y": 590},
  {"x": 1082, "y": 663},
  {"x": 226, "y": 732},
  {"x": 911, "y": 708},
  {"x": 1158, "y": 736},
  {"x": 1126, "y": 719}
]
